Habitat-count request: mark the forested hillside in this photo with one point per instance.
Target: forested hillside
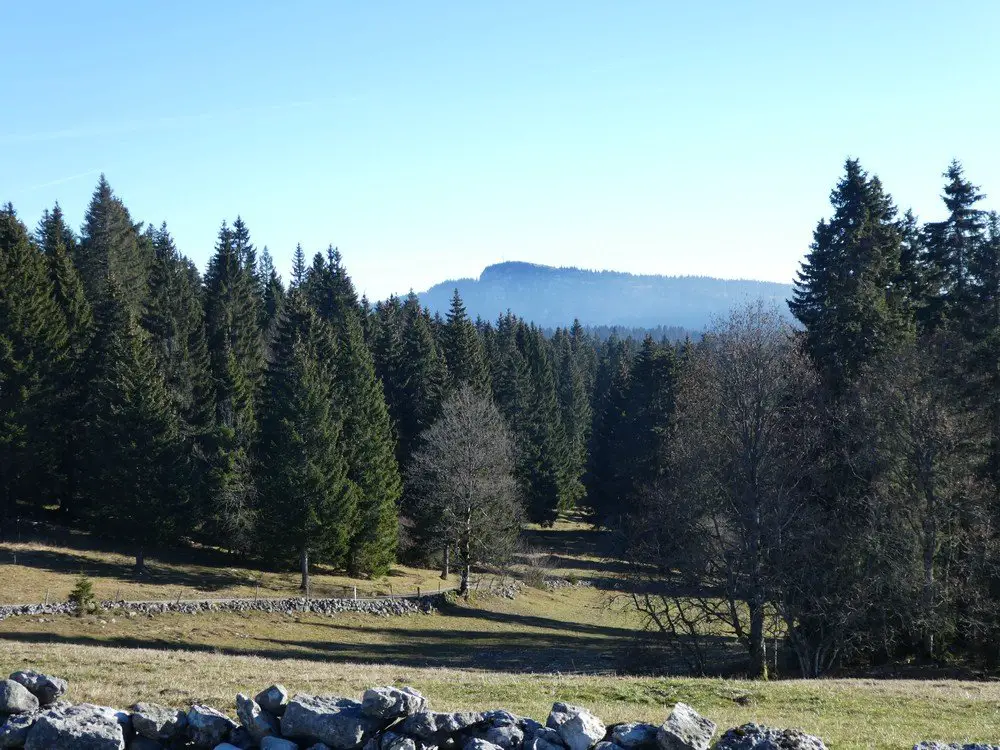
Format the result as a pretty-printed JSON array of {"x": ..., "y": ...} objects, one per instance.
[
  {"x": 832, "y": 483},
  {"x": 553, "y": 297}
]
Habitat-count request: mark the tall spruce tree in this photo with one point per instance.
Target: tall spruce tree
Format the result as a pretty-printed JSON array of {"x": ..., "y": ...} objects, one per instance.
[
  {"x": 367, "y": 432},
  {"x": 110, "y": 248},
  {"x": 612, "y": 384},
  {"x": 33, "y": 352},
  {"x": 951, "y": 246},
  {"x": 236, "y": 357},
  {"x": 67, "y": 405},
  {"x": 308, "y": 503},
  {"x": 463, "y": 350},
  {"x": 844, "y": 293},
  {"x": 136, "y": 457}
]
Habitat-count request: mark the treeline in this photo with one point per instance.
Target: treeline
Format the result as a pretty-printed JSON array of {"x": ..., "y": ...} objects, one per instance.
[
  {"x": 829, "y": 489},
  {"x": 151, "y": 404}
]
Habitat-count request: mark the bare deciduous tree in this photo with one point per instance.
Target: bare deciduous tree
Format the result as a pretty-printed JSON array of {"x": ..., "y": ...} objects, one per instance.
[
  {"x": 462, "y": 479},
  {"x": 741, "y": 452}
]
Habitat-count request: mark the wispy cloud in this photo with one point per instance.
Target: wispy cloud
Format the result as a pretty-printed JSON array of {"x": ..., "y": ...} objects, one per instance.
[{"x": 107, "y": 129}]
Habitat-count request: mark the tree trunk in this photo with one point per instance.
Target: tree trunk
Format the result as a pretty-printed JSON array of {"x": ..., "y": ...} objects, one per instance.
[
  {"x": 140, "y": 561},
  {"x": 758, "y": 645},
  {"x": 463, "y": 588},
  {"x": 930, "y": 544},
  {"x": 446, "y": 565},
  {"x": 466, "y": 553},
  {"x": 304, "y": 566}
]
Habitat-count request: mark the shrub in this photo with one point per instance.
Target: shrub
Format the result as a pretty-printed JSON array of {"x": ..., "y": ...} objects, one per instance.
[{"x": 82, "y": 595}]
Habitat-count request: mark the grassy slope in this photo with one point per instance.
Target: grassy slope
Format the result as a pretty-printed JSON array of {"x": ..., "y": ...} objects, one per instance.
[
  {"x": 850, "y": 714},
  {"x": 520, "y": 654}
]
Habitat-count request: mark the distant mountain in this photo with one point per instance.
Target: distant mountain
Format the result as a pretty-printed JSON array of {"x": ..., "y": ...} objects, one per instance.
[{"x": 553, "y": 297}]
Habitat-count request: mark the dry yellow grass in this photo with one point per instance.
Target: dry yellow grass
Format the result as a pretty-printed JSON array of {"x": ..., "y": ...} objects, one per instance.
[
  {"x": 850, "y": 714},
  {"x": 35, "y": 570}
]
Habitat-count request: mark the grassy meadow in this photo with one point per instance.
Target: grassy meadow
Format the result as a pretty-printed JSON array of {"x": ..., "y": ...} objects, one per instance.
[{"x": 575, "y": 644}]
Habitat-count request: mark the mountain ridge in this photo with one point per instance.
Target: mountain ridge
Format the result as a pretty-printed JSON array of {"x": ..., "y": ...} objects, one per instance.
[{"x": 552, "y": 296}]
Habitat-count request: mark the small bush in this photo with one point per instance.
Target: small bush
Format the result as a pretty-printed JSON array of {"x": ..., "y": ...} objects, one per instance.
[{"x": 82, "y": 595}]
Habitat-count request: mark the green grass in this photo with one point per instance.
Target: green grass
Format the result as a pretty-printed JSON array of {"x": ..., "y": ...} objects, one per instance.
[
  {"x": 523, "y": 654},
  {"x": 850, "y": 714}
]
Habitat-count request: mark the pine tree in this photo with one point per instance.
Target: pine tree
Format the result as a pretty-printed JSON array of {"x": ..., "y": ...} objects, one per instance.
[
  {"x": 463, "y": 351},
  {"x": 367, "y": 432},
  {"x": 272, "y": 291},
  {"x": 644, "y": 441},
  {"x": 575, "y": 414},
  {"x": 951, "y": 247},
  {"x": 67, "y": 403},
  {"x": 110, "y": 249},
  {"x": 984, "y": 269},
  {"x": 420, "y": 377},
  {"x": 298, "y": 267},
  {"x": 136, "y": 456},
  {"x": 33, "y": 351},
  {"x": 308, "y": 502},
  {"x": 605, "y": 492},
  {"x": 232, "y": 310},
  {"x": 843, "y": 295},
  {"x": 914, "y": 283}
]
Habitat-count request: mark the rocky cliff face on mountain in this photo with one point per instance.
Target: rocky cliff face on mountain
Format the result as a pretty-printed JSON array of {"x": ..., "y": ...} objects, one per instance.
[{"x": 551, "y": 297}]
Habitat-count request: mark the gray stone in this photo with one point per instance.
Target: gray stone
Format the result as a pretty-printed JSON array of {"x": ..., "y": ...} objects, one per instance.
[
  {"x": 46, "y": 688},
  {"x": 391, "y": 741},
  {"x": 433, "y": 727},
  {"x": 258, "y": 722},
  {"x": 82, "y": 727},
  {"x": 207, "y": 727},
  {"x": 633, "y": 735},
  {"x": 143, "y": 743},
  {"x": 475, "y": 743},
  {"x": 273, "y": 699},
  {"x": 14, "y": 730},
  {"x": 561, "y": 712},
  {"x": 684, "y": 729},
  {"x": 336, "y": 721},
  {"x": 604, "y": 745},
  {"x": 227, "y": 746},
  {"x": 392, "y": 702},
  {"x": 241, "y": 738},
  {"x": 506, "y": 736},
  {"x": 319, "y": 746},
  {"x": 276, "y": 743},
  {"x": 156, "y": 722},
  {"x": 545, "y": 738},
  {"x": 759, "y": 737},
  {"x": 15, "y": 698},
  {"x": 582, "y": 730}
]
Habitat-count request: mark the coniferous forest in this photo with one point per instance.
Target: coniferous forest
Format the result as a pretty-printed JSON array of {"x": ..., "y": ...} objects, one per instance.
[{"x": 832, "y": 478}]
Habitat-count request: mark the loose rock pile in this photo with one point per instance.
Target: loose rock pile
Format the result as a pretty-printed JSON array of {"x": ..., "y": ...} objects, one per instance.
[
  {"x": 387, "y": 607},
  {"x": 33, "y": 717}
]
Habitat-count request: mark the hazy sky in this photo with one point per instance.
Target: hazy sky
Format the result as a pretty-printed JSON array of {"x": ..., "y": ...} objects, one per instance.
[{"x": 429, "y": 139}]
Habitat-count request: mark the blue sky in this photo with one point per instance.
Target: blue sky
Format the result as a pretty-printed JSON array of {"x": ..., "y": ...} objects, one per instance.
[{"x": 428, "y": 139}]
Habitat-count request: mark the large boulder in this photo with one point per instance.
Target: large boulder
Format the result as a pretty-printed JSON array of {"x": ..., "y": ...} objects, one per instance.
[
  {"x": 207, "y": 727},
  {"x": 46, "y": 688},
  {"x": 82, "y": 727},
  {"x": 338, "y": 722},
  {"x": 390, "y": 740},
  {"x": 475, "y": 743},
  {"x": 392, "y": 702},
  {"x": 561, "y": 712},
  {"x": 759, "y": 737},
  {"x": 258, "y": 722},
  {"x": 156, "y": 722},
  {"x": 633, "y": 735},
  {"x": 581, "y": 730},
  {"x": 15, "y": 698},
  {"x": 684, "y": 729},
  {"x": 273, "y": 699}
]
